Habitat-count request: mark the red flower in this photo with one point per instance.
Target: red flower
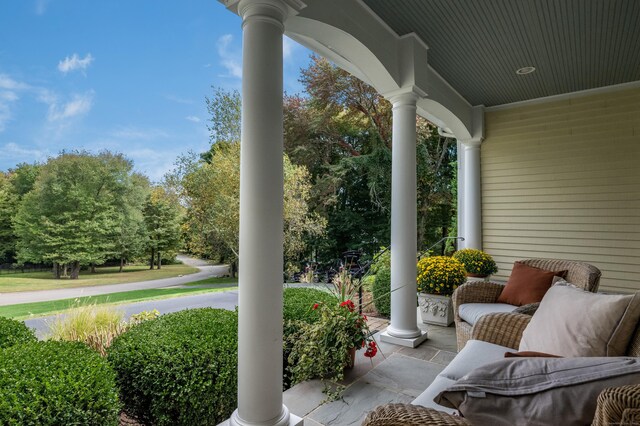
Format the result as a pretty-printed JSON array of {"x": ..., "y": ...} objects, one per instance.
[
  {"x": 315, "y": 306},
  {"x": 372, "y": 350},
  {"x": 365, "y": 317},
  {"x": 349, "y": 304}
]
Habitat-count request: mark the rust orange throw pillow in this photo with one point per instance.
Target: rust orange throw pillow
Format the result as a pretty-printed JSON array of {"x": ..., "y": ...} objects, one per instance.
[{"x": 527, "y": 284}]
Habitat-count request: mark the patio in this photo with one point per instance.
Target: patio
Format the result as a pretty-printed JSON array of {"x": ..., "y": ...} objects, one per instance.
[{"x": 396, "y": 374}]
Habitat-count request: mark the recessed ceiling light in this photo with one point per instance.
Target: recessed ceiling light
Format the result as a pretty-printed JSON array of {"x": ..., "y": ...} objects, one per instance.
[{"x": 525, "y": 70}]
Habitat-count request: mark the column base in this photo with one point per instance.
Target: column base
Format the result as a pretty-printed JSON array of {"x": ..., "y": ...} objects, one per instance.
[
  {"x": 287, "y": 419},
  {"x": 407, "y": 342}
]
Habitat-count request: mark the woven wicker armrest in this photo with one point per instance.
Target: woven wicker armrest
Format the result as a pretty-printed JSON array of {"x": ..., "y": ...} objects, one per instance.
[
  {"x": 618, "y": 406},
  {"x": 503, "y": 329},
  {"x": 411, "y": 415},
  {"x": 476, "y": 292}
]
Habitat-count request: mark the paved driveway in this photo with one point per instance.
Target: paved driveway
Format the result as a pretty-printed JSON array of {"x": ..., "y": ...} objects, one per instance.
[
  {"x": 223, "y": 300},
  {"x": 206, "y": 271}
]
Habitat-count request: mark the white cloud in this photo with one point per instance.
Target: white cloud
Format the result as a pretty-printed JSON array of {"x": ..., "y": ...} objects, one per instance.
[
  {"x": 193, "y": 118},
  {"x": 14, "y": 151},
  {"x": 288, "y": 47},
  {"x": 78, "y": 105},
  {"x": 73, "y": 62},
  {"x": 134, "y": 133},
  {"x": 41, "y": 6},
  {"x": 9, "y": 89},
  {"x": 229, "y": 59}
]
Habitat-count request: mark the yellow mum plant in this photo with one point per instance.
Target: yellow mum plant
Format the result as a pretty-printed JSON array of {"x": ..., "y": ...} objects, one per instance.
[
  {"x": 476, "y": 262},
  {"x": 440, "y": 275}
]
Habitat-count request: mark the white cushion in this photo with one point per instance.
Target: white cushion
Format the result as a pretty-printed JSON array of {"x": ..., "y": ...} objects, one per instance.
[
  {"x": 475, "y": 353},
  {"x": 471, "y": 312},
  {"x": 571, "y": 322}
]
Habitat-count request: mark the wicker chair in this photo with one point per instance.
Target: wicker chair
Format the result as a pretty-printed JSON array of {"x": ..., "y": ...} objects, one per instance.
[
  {"x": 616, "y": 406},
  {"x": 581, "y": 274}
]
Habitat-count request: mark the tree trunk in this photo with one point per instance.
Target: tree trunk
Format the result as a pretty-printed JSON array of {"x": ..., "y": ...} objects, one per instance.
[
  {"x": 75, "y": 270},
  {"x": 159, "y": 260},
  {"x": 233, "y": 268},
  {"x": 121, "y": 264},
  {"x": 56, "y": 270},
  {"x": 64, "y": 270},
  {"x": 93, "y": 268},
  {"x": 153, "y": 258}
]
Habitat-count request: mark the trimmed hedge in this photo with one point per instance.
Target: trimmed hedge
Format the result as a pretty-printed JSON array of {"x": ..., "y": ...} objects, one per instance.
[
  {"x": 13, "y": 332},
  {"x": 56, "y": 383},
  {"x": 382, "y": 291},
  {"x": 180, "y": 369},
  {"x": 298, "y": 303}
]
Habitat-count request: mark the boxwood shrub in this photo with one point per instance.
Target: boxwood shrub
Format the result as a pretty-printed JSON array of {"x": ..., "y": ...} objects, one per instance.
[
  {"x": 13, "y": 332},
  {"x": 56, "y": 383},
  {"x": 381, "y": 291},
  {"x": 298, "y": 303},
  {"x": 180, "y": 369}
]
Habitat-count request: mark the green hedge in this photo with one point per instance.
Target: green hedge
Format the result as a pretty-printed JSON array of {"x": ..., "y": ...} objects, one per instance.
[
  {"x": 13, "y": 332},
  {"x": 298, "y": 303},
  {"x": 180, "y": 369},
  {"x": 381, "y": 291},
  {"x": 56, "y": 383}
]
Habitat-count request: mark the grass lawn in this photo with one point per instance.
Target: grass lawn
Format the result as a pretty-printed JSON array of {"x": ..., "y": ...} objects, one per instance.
[
  {"x": 29, "y": 281},
  {"x": 36, "y": 309},
  {"x": 214, "y": 280}
]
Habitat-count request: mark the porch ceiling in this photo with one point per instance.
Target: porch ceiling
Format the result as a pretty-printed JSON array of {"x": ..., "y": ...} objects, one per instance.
[{"x": 478, "y": 45}]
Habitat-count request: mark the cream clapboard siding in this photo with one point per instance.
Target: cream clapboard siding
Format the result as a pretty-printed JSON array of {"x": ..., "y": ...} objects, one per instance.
[{"x": 561, "y": 179}]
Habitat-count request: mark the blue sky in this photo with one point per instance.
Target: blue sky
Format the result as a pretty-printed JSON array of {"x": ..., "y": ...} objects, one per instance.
[{"x": 129, "y": 76}]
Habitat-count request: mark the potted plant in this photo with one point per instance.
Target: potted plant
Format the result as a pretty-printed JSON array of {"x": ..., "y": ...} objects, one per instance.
[
  {"x": 438, "y": 277},
  {"x": 326, "y": 347},
  {"x": 477, "y": 263}
]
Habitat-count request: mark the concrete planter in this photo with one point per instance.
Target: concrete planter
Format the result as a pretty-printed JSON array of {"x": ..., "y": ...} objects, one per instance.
[{"x": 436, "y": 309}]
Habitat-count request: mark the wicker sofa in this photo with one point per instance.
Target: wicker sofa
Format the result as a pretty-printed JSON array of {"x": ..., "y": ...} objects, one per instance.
[
  {"x": 578, "y": 273},
  {"x": 492, "y": 335}
]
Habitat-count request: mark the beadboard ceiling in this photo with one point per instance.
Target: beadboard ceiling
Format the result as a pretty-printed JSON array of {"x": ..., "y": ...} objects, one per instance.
[{"x": 477, "y": 45}]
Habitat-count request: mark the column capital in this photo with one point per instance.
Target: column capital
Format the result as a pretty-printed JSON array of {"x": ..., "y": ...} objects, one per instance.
[
  {"x": 275, "y": 11},
  {"x": 405, "y": 96},
  {"x": 471, "y": 143}
]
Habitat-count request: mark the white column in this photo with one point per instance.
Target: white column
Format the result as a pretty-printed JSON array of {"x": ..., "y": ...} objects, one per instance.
[
  {"x": 472, "y": 194},
  {"x": 261, "y": 225},
  {"x": 403, "y": 223}
]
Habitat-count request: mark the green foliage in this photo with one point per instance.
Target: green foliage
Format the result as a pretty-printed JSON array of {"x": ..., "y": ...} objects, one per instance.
[
  {"x": 180, "y": 369},
  {"x": 298, "y": 304},
  {"x": 14, "y": 332},
  {"x": 382, "y": 291},
  {"x": 72, "y": 214},
  {"x": 56, "y": 383},
  {"x": 162, "y": 219},
  {"x": 476, "y": 261},
  {"x": 440, "y": 275},
  {"x": 321, "y": 349},
  {"x": 342, "y": 133}
]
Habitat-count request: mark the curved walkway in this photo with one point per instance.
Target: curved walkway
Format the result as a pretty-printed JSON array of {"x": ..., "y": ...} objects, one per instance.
[{"x": 206, "y": 271}]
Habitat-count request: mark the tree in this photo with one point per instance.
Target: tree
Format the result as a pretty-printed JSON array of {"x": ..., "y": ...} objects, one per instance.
[
  {"x": 342, "y": 133},
  {"x": 132, "y": 239},
  {"x": 213, "y": 190},
  {"x": 13, "y": 186},
  {"x": 161, "y": 216},
  {"x": 70, "y": 218}
]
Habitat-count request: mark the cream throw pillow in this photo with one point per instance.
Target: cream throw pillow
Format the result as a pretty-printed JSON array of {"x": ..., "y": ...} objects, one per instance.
[{"x": 571, "y": 322}]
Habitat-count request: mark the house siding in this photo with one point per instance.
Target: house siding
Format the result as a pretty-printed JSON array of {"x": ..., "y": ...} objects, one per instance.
[{"x": 561, "y": 179}]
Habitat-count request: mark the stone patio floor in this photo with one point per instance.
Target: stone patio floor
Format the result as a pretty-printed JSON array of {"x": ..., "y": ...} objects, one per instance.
[{"x": 400, "y": 375}]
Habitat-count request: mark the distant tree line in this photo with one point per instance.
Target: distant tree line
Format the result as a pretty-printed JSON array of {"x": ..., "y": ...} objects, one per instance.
[{"x": 80, "y": 209}]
